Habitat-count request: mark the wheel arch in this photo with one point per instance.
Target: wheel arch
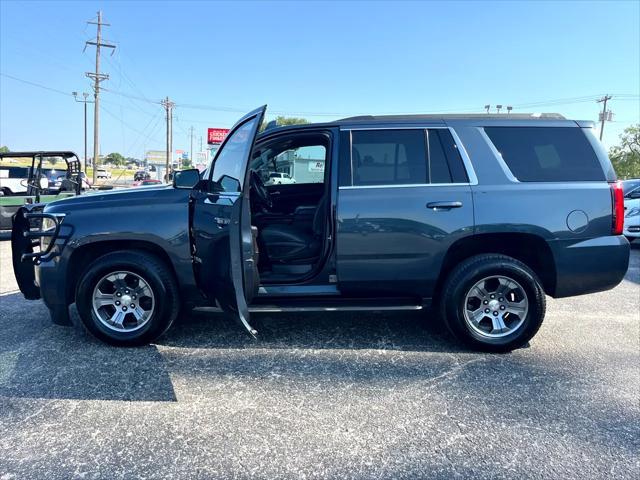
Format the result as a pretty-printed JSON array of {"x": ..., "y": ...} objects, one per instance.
[
  {"x": 84, "y": 255},
  {"x": 530, "y": 249}
]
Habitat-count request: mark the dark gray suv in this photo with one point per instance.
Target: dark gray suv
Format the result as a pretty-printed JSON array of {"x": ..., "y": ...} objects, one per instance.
[{"x": 475, "y": 216}]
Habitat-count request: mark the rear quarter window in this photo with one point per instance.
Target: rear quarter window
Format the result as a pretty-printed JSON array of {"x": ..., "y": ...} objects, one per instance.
[{"x": 547, "y": 154}]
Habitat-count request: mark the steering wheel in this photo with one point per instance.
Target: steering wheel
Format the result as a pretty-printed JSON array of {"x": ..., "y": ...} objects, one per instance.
[{"x": 260, "y": 195}]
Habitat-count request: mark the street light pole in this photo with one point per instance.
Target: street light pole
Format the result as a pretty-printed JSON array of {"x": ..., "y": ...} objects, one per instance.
[{"x": 85, "y": 101}]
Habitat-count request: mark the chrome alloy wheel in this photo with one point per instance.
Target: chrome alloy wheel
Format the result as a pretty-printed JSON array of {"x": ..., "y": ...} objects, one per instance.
[
  {"x": 496, "y": 306},
  {"x": 123, "y": 301}
]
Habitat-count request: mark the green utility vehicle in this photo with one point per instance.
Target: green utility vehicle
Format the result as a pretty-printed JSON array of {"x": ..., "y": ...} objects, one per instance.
[{"x": 20, "y": 185}]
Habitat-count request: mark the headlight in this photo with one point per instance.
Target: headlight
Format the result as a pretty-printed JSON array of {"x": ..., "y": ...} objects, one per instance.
[
  {"x": 635, "y": 211},
  {"x": 48, "y": 225}
]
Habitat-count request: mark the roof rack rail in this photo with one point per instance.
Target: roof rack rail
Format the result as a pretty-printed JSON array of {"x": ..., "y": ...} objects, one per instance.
[{"x": 453, "y": 116}]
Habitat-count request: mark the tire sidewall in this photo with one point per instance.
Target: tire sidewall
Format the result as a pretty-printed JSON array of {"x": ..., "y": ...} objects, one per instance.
[
  {"x": 456, "y": 306},
  {"x": 161, "y": 318}
]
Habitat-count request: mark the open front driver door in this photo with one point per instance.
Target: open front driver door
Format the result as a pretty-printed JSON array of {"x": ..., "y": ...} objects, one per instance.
[{"x": 223, "y": 246}]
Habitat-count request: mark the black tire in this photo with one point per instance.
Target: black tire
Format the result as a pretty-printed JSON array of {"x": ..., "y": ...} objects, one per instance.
[
  {"x": 465, "y": 276},
  {"x": 159, "y": 278}
]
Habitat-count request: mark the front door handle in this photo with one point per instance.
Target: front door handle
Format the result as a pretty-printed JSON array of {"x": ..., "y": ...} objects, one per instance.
[{"x": 444, "y": 205}]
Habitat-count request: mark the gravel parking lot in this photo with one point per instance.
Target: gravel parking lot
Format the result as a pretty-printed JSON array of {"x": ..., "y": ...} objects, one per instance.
[{"x": 322, "y": 396}]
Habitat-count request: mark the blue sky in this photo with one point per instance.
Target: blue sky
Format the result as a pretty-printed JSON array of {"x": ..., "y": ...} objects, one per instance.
[{"x": 321, "y": 60}]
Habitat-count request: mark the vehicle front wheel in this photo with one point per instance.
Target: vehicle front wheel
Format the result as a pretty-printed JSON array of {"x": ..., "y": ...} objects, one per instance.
[
  {"x": 127, "y": 298},
  {"x": 493, "y": 303}
]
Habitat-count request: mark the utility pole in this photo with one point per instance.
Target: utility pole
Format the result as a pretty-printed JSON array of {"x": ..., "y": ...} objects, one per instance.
[
  {"x": 191, "y": 151},
  {"x": 168, "y": 107},
  {"x": 97, "y": 78},
  {"x": 604, "y": 114},
  {"x": 85, "y": 101}
]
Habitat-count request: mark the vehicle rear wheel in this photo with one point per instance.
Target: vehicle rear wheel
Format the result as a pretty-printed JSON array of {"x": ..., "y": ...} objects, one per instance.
[
  {"x": 127, "y": 298},
  {"x": 493, "y": 303}
]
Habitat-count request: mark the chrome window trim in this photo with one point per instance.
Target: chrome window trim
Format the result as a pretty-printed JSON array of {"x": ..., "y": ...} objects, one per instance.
[
  {"x": 466, "y": 161},
  {"x": 409, "y": 127},
  {"x": 404, "y": 185},
  {"x": 505, "y": 168}
]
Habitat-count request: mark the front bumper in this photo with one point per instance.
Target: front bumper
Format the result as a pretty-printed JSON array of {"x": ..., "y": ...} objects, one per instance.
[
  {"x": 38, "y": 271},
  {"x": 589, "y": 266}
]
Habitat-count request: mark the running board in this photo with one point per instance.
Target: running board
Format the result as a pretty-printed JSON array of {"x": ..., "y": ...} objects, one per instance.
[{"x": 327, "y": 306}]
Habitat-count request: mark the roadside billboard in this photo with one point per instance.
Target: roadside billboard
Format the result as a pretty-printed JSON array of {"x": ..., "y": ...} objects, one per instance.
[{"x": 215, "y": 136}]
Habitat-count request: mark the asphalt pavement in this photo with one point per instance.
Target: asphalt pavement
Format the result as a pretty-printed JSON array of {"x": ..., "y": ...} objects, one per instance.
[{"x": 357, "y": 395}]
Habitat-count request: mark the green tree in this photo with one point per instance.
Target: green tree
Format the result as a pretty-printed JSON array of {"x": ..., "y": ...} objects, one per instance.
[
  {"x": 626, "y": 156},
  {"x": 115, "y": 158},
  {"x": 186, "y": 163},
  {"x": 281, "y": 121},
  {"x": 4, "y": 149}
]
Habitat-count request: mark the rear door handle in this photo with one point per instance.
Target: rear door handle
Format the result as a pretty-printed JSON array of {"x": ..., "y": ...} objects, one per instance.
[{"x": 444, "y": 205}]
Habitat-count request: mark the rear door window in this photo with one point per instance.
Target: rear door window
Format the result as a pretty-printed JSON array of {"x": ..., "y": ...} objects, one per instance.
[
  {"x": 388, "y": 157},
  {"x": 404, "y": 157},
  {"x": 546, "y": 154}
]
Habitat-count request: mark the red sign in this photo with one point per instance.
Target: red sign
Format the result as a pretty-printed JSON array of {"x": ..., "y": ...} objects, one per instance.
[{"x": 215, "y": 136}]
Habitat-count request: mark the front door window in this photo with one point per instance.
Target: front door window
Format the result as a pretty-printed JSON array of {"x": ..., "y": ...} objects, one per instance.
[{"x": 229, "y": 166}]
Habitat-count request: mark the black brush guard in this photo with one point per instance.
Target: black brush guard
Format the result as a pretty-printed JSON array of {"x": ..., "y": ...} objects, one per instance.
[{"x": 25, "y": 246}]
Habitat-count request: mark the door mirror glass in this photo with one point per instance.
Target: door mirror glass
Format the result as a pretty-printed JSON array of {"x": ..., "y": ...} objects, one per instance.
[{"x": 187, "y": 179}]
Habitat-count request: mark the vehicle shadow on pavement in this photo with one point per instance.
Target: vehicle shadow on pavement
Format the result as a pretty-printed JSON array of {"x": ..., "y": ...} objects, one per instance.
[
  {"x": 405, "y": 331},
  {"x": 42, "y": 360}
]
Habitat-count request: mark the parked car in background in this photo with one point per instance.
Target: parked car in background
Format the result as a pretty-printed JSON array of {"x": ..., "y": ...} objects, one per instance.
[
  {"x": 141, "y": 175},
  {"x": 13, "y": 180},
  {"x": 86, "y": 182},
  {"x": 476, "y": 216},
  {"x": 278, "y": 178},
  {"x": 631, "y": 209},
  {"x": 142, "y": 183},
  {"x": 103, "y": 173}
]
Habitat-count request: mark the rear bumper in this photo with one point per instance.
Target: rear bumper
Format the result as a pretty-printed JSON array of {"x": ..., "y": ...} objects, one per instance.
[{"x": 589, "y": 266}]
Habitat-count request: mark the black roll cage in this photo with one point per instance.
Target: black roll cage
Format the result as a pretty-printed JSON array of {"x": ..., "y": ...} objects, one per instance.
[{"x": 73, "y": 173}]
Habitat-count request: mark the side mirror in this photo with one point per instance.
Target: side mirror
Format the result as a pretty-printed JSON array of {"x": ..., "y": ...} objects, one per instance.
[
  {"x": 187, "y": 179},
  {"x": 44, "y": 182},
  {"x": 635, "y": 194}
]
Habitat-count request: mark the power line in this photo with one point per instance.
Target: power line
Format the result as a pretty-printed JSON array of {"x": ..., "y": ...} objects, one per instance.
[
  {"x": 34, "y": 84},
  {"x": 553, "y": 102}
]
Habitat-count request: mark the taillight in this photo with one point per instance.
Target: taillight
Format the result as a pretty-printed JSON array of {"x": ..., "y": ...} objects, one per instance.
[{"x": 618, "y": 208}]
